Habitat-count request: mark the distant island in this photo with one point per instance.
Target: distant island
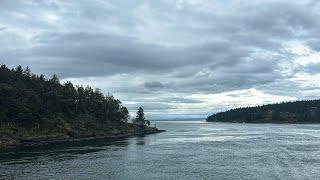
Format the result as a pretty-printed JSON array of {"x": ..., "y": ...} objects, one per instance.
[
  {"x": 35, "y": 111},
  {"x": 290, "y": 112}
]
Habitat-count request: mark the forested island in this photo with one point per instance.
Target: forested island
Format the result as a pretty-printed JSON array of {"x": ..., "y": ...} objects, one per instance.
[
  {"x": 35, "y": 110},
  {"x": 291, "y": 112}
]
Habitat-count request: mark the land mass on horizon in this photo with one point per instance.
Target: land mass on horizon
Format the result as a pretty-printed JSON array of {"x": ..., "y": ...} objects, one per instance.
[{"x": 307, "y": 111}]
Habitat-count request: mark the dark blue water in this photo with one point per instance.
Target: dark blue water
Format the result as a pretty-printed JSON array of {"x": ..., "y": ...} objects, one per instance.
[{"x": 188, "y": 150}]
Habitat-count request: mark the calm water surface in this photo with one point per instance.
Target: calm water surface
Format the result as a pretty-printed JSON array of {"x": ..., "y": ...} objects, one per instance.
[{"x": 188, "y": 150}]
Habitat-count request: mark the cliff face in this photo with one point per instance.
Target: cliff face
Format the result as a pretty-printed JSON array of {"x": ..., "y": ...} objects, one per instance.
[{"x": 293, "y": 112}]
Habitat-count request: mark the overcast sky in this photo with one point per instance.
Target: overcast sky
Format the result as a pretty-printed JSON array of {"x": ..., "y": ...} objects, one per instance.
[{"x": 175, "y": 58}]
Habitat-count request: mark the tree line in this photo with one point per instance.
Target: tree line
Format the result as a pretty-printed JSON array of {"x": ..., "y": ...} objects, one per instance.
[
  {"x": 291, "y": 112},
  {"x": 31, "y": 101}
]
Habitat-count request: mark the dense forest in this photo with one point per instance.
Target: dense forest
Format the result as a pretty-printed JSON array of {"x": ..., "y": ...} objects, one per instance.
[
  {"x": 31, "y": 105},
  {"x": 290, "y": 112}
]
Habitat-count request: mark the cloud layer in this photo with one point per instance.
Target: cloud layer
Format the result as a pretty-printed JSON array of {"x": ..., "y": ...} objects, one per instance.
[{"x": 174, "y": 58}]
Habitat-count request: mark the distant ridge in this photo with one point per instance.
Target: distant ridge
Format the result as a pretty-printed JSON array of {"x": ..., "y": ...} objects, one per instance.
[{"x": 307, "y": 111}]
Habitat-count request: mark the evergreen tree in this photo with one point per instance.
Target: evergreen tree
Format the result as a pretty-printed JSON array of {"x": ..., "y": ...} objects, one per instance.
[
  {"x": 140, "y": 119},
  {"x": 32, "y": 102},
  {"x": 124, "y": 114},
  {"x": 27, "y": 72}
]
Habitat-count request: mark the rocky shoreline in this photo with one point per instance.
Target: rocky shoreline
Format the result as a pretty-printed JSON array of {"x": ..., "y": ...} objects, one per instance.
[{"x": 11, "y": 143}]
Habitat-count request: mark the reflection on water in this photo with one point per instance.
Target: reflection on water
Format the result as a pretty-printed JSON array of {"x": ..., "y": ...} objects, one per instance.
[
  {"x": 140, "y": 141},
  {"x": 188, "y": 150},
  {"x": 56, "y": 152}
]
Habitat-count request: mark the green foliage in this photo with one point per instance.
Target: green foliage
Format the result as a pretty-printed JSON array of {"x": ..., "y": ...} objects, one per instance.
[
  {"x": 140, "y": 119},
  {"x": 29, "y": 101},
  {"x": 291, "y": 112},
  {"x": 147, "y": 122}
]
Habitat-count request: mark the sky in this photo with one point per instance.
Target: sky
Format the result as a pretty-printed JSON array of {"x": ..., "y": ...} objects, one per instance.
[{"x": 175, "y": 58}]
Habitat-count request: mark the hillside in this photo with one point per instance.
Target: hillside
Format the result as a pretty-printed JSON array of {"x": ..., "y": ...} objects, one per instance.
[
  {"x": 33, "y": 109},
  {"x": 291, "y": 112}
]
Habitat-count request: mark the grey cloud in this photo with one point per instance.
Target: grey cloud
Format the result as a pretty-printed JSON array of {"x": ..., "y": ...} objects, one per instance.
[
  {"x": 314, "y": 44},
  {"x": 150, "y": 106},
  {"x": 312, "y": 68},
  {"x": 153, "y": 85},
  {"x": 106, "y": 54},
  {"x": 177, "y": 100},
  {"x": 170, "y": 50},
  {"x": 183, "y": 100}
]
